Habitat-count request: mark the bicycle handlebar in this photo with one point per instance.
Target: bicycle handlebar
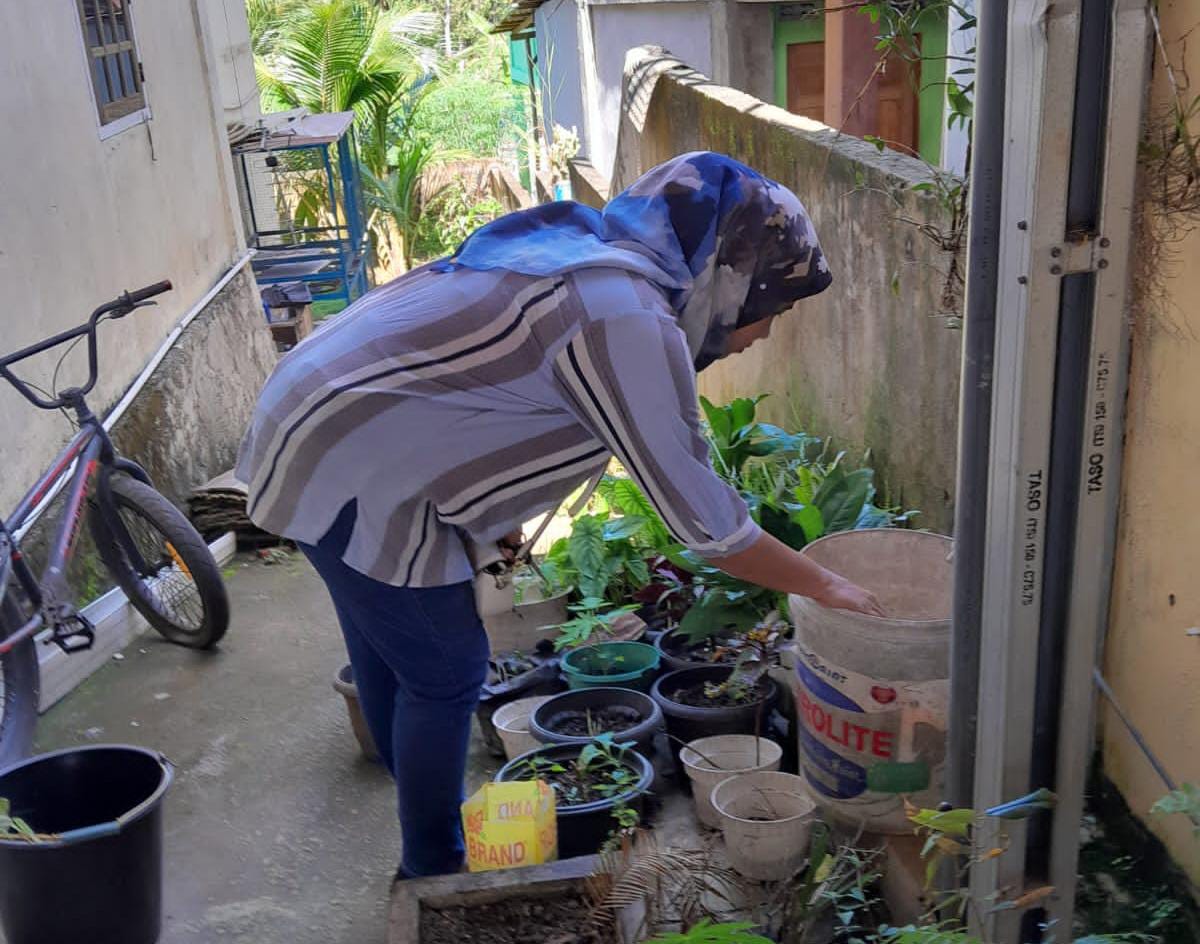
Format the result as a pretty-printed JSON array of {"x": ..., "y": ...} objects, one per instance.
[{"x": 119, "y": 307}]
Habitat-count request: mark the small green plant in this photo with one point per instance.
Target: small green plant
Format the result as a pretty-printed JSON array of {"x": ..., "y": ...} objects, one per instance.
[
  {"x": 593, "y": 620},
  {"x": 706, "y": 932},
  {"x": 1185, "y": 801},
  {"x": 13, "y": 827},
  {"x": 601, "y": 771},
  {"x": 757, "y": 650}
]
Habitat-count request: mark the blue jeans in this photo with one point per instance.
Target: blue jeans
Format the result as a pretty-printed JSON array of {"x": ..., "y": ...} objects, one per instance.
[{"x": 419, "y": 657}]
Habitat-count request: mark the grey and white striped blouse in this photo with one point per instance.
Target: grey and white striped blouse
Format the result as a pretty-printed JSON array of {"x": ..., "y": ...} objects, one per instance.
[{"x": 453, "y": 406}]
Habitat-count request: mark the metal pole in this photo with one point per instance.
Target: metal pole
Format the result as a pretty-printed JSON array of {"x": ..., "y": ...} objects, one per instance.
[{"x": 975, "y": 404}]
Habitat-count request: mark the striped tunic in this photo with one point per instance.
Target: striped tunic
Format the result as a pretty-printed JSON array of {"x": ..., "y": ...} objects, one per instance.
[{"x": 453, "y": 406}]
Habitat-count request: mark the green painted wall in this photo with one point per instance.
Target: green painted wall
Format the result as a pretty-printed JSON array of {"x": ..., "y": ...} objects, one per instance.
[
  {"x": 519, "y": 59},
  {"x": 931, "y": 112},
  {"x": 932, "y": 97},
  {"x": 811, "y": 29}
]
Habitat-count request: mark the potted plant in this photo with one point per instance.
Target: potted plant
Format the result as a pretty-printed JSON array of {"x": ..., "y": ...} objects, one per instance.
[
  {"x": 595, "y": 621},
  {"x": 576, "y": 717},
  {"x": 599, "y": 787},
  {"x": 343, "y": 684},
  {"x": 714, "y": 699},
  {"x": 607, "y": 664}
]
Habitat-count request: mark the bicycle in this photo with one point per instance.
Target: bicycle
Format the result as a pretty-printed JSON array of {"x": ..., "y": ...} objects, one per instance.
[{"x": 147, "y": 545}]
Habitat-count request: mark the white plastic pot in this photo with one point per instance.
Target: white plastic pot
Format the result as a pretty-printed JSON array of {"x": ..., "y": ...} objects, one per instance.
[
  {"x": 512, "y": 724},
  {"x": 733, "y": 754},
  {"x": 766, "y": 818}
]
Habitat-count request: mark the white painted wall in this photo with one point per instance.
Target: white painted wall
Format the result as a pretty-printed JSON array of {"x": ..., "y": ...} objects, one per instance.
[
  {"x": 560, "y": 55},
  {"x": 956, "y": 140},
  {"x": 233, "y": 60},
  {"x": 683, "y": 28},
  {"x": 83, "y": 217}
]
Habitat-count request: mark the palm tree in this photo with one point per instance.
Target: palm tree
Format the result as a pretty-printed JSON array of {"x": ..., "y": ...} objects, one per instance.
[{"x": 342, "y": 55}]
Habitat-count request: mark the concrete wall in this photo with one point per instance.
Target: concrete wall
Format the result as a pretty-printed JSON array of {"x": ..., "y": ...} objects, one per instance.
[
  {"x": 684, "y": 28},
  {"x": 85, "y": 215},
  {"x": 868, "y": 362},
  {"x": 187, "y": 423},
  {"x": 560, "y": 54},
  {"x": 1151, "y": 662}
]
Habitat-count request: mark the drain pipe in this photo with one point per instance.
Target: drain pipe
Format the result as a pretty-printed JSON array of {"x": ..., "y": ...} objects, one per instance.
[{"x": 975, "y": 402}]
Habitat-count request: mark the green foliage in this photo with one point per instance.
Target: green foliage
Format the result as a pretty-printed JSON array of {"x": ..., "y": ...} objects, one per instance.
[
  {"x": 592, "y": 620},
  {"x": 340, "y": 55},
  {"x": 396, "y": 193},
  {"x": 792, "y": 493},
  {"x": 601, "y": 770},
  {"x": 1185, "y": 801},
  {"x": 705, "y": 932},
  {"x": 450, "y": 217},
  {"x": 604, "y": 557},
  {"x": 471, "y": 114},
  {"x": 625, "y": 498},
  {"x": 13, "y": 827}
]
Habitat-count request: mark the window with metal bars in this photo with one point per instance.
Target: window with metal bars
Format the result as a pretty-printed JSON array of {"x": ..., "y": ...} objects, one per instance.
[{"x": 112, "y": 57}]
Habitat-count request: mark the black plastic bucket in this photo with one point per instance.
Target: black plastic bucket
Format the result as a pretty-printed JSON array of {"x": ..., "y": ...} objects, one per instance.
[{"x": 99, "y": 879}]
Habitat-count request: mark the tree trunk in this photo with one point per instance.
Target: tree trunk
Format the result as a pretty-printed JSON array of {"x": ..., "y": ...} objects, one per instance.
[{"x": 449, "y": 46}]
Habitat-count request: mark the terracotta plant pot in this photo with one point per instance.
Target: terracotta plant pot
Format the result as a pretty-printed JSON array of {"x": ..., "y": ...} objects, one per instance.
[{"x": 343, "y": 684}]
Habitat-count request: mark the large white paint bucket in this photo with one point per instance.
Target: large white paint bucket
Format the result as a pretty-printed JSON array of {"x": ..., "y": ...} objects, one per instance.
[
  {"x": 766, "y": 819},
  {"x": 872, "y": 693},
  {"x": 733, "y": 754}
]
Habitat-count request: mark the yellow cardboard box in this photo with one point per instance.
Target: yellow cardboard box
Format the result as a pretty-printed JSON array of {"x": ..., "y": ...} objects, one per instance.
[{"x": 508, "y": 825}]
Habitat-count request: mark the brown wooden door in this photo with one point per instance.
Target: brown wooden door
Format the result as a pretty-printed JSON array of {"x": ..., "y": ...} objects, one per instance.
[
  {"x": 898, "y": 115},
  {"x": 806, "y": 80}
]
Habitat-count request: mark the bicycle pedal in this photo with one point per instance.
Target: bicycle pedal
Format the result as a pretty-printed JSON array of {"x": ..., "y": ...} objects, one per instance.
[{"x": 74, "y": 632}]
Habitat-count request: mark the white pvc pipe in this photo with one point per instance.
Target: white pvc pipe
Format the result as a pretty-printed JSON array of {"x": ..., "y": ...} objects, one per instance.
[{"x": 140, "y": 381}]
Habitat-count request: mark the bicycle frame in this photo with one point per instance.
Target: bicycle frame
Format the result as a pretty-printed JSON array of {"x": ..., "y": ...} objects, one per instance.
[
  {"x": 91, "y": 453},
  {"x": 94, "y": 458}
]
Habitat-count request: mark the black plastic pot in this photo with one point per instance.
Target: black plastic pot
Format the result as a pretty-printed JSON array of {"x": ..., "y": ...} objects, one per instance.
[
  {"x": 582, "y": 699},
  {"x": 100, "y": 879},
  {"x": 676, "y": 653},
  {"x": 542, "y": 680},
  {"x": 583, "y": 829},
  {"x": 688, "y": 722}
]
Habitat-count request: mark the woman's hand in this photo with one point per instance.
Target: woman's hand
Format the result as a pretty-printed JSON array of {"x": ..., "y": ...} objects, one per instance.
[
  {"x": 510, "y": 544},
  {"x": 774, "y": 565},
  {"x": 842, "y": 594}
]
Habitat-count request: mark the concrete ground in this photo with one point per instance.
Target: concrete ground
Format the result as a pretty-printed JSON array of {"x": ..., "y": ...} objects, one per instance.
[{"x": 277, "y": 831}]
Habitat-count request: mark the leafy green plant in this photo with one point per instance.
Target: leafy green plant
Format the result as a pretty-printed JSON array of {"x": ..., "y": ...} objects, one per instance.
[
  {"x": 592, "y": 621},
  {"x": 600, "y": 771},
  {"x": 792, "y": 492},
  {"x": 836, "y": 888},
  {"x": 736, "y": 436},
  {"x": 604, "y": 557},
  {"x": 706, "y": 932},
  {"x": 13, "y": 827},
  {"x": 395, "y": 195},
  {"x": 450, "y": 216},
  {"x": 1185, "y": 801}
]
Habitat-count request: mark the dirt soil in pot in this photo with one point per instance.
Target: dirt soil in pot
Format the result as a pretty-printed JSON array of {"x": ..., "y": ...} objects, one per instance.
[
  {"x": 612, "y": 718},
  {"x": 710, "y": 651},
  {"x": 514, "y": 921},
  {"x": 697, "y": 696}
]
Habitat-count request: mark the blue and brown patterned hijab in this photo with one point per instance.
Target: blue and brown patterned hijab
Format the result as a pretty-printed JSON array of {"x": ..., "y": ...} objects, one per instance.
[{"x": 728, "y": 245}]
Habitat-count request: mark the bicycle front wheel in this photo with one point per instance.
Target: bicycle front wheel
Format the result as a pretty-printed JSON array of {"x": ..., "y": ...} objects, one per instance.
[{"x": 176, "y": 585}]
